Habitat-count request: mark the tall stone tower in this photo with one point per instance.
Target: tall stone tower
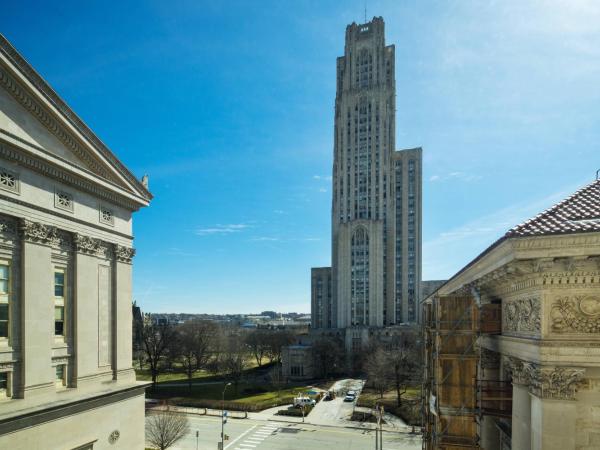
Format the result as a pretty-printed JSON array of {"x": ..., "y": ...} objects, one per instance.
[{"x": 376, "y": 208}]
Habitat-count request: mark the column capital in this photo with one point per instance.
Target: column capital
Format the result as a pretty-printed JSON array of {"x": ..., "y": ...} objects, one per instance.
[
  {"x": 89, "y": 245},
  {"x": 38, "y": 232},
  {"x": 558, "y": 383},
  {"x": 124, "y": 254}
]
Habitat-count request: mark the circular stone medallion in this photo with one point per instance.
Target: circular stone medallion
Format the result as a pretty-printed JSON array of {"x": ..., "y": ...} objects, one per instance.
[{"x": 590, "y": 306}]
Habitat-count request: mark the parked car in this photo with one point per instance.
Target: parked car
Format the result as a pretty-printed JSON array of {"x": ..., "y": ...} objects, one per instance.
[
  {"x": 299, "y": 402},
  {"x": 330, "y": 395},
  {"x": 349, "y": 397}
]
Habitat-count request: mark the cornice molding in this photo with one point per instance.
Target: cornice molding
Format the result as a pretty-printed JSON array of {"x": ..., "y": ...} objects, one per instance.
[{"x": 12, "y": 153}]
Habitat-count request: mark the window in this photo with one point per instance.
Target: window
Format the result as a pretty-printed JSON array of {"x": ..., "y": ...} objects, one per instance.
[
  {"x": 106, "y": 216},
  {"x": 61, "y": 379},
  {"x": 59, "y": 302},
  {"x": 4, "y": 299},
  {"x": 62, "y": 200},
  {"x": 9, "y": 181},
  {"x": 4, "y": 384}
]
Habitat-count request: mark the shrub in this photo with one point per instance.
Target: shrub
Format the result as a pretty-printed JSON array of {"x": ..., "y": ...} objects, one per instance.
[{"x": 294, "y": 412}]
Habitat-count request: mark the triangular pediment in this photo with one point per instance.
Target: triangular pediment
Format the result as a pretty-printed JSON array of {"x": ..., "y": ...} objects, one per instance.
[
  {"x": 17, "y": 123},
  {"x": 36, "y": 119}
]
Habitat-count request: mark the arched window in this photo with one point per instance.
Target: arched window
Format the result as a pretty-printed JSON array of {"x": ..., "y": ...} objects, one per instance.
[{"x": 359, "y": 250}]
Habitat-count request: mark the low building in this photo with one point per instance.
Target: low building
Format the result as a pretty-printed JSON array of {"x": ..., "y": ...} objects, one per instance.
[
  {"x": 512, "y": 341},
  {"x": 297, "y": 362},
  {"x": 66, "y": 206}
]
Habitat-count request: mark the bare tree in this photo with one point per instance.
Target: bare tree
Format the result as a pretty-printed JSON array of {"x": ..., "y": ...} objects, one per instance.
[
  {"x": 156, "y": 338},
  {"x": 165, "y": 428},
  {"x": 258, "y": 344},
  {"x": 275, "y": 341},
  {"x": 328, "y": 355},
  {"x": 233, "y": 359},
  {"x": 404, "y": 359},
  {"x": 378, "y": 370},
  {"x": 195, "y": 340},
  {"x": 276, "y": 377}
]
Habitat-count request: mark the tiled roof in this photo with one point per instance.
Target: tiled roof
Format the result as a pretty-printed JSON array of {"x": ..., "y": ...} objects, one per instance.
[{"x": 576, "y": 214}]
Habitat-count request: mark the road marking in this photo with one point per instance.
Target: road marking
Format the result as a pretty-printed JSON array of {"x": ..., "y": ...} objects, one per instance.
[
  {"x": 240, "y": 436},
  {"x": 248, "y": 445}
]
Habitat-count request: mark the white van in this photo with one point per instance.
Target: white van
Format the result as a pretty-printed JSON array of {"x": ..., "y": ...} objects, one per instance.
[{"x": 303, "y": 401}]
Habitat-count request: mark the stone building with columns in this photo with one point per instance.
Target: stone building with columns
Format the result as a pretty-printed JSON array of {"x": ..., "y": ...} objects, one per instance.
[
  {"x": 512, "y": 341},
  {"x": 66, "y": 206}
]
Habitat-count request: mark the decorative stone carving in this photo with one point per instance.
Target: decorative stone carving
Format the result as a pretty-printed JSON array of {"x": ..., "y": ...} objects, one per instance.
[
  {"x": 114, "y": 436},
  {"x": 560, "y": 383},
  {"x": 522, "y": 315},
  {"x": 90, "y": 245},
  {"x": 579, "y": 314},
  {"x": 124, "y": 254},
  {"x": 519, "y": 371},
  {"x": 39, "y": 233},
  {"x": 489, "y": 359},
  {"x": 8, "y": 225}
]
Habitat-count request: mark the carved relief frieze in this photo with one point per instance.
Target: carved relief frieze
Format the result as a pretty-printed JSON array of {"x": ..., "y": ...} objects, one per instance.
[
  {"x": 576, "y": 314},
  {"x": 124, "y": 254},
  {"x": 90, "y": 246},
  {"x": 522, "y": 315}
]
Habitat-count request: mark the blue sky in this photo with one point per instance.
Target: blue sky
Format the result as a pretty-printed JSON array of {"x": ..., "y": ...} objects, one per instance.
[{"x": 228, "y": 106}]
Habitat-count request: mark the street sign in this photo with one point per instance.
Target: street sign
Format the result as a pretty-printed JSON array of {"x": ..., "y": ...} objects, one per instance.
[
  {"x": 225, "y": 413},
  {"x": 197, "y": 433}
]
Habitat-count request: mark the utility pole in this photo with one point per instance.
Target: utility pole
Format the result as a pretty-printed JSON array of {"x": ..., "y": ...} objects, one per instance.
[{"x": 223, "y": 419}]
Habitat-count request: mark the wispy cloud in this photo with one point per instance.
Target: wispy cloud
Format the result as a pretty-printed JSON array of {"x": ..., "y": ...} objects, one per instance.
[
  {"x": 282, "y": 239},
  {"x": 265, "y": 239},
  {"x": 460, "y": 176},
  {"x": 222, "y": 229},
  {"x": 321, "y": 177}
]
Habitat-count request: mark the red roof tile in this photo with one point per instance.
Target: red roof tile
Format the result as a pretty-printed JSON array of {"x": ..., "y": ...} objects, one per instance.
[{"x": 576, "y": 214}]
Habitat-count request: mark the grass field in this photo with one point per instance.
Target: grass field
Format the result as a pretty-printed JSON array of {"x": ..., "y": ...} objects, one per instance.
[{"x": 249, "y": 396}]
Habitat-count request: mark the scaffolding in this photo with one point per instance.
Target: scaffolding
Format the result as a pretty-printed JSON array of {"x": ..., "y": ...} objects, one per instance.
[{"x": 455, "y": 395}]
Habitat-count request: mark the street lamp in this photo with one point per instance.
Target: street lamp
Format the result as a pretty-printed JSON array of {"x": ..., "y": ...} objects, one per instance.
[{"x": 223, "y": 417}]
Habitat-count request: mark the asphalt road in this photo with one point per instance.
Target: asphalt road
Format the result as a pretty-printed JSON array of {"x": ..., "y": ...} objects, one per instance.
[{"x": 247, "y": 434}]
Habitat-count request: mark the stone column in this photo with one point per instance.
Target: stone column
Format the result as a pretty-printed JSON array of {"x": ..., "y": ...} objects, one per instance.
[
  {"x": 521, "y": 404},
  {"x": 91, "y": 336},
  {"x": 122, "y": 318},
  {"x": 554, "y": 408},
  {"x": 521, "y": 417},
  {"x": 37, "y": 308}
]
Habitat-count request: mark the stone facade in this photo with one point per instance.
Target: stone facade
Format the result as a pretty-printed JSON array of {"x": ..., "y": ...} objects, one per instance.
[
  {"x": 66, "y": 205},
  {"x": 376, "y": 208},
  {"x": 548, "y": 285}
]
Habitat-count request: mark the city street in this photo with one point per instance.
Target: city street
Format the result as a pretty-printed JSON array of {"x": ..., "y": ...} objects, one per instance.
[{"x": 248, "y": 434}]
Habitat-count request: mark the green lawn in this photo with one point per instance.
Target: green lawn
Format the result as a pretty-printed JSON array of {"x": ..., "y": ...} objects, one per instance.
[{"x": 255, "y": 396}]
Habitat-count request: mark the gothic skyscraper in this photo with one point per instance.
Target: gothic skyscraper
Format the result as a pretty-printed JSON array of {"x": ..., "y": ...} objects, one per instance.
[{"x": 375, "y": 276}]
